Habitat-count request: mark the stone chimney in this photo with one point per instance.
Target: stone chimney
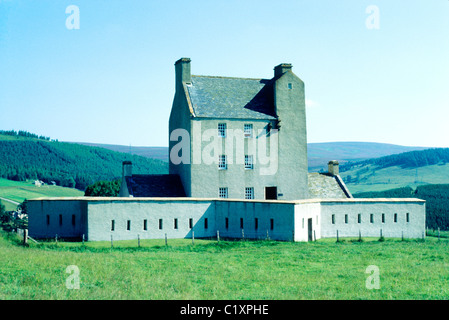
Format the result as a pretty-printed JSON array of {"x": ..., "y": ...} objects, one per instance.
[
  {"x": 127, "y": 169},
  {"x": 281, "y": 69},
  {"x": 333, "y": 167},
  {"x": 182, "y": 70}
]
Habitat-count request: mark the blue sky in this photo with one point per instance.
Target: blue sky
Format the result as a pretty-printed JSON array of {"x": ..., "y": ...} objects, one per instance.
[{"x": 112, "y": 80}]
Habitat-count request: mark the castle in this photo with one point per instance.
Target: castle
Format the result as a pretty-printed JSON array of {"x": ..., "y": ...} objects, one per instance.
[{"x": 238, "y": 165}]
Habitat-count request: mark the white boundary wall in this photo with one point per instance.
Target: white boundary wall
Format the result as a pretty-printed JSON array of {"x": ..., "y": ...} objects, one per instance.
[{"x": 155, "y": 218}]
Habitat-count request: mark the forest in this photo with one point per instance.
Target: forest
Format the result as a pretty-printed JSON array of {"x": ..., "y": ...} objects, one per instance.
[
  {"x": 411, "y": 159},
  {"x": 436, "y": 196},
  {"x": 67, "y": 164}
]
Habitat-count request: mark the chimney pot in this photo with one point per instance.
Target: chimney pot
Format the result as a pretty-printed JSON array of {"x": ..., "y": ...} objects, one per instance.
[
  {"x": 279, "y": 70},
  {"x": 333, "y": 167},
  {"x": 182, "y": 70},
  {"x": 127, "y": 169}
]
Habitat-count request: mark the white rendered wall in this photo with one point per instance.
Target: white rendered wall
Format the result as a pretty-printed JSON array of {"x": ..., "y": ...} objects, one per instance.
[
  {"x": 414, "y": 228},
  {"x": 304, "y": 212}
]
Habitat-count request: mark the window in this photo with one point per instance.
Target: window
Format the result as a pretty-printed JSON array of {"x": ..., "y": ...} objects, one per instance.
[
  {"x": 222, "y": 130},
  {"x": 359, "y": 218},
  {"x": 205, "y": 223},
  {"x": 190, "y": 223},
  {"x": 333, "y": 219},
  {"x": 290, "y": 86},
  {"x": 346, "y": 218},
  {"x": 175, "y": 223},
  {"x": 256, "y": 223},
  {"x": 73, "y": 220},
  {"x": 222, "y": 165},
  {"x": 395, "y": 217},
  {"x": 48, "y": 220},
  {"x": 248, "y": 130},
  {"x": 249, "y": 193},
  {"x": 303, "y": 223},
  {"x": 112, "y": 225},
  {"x": 222, "y": 192},
  {"x": 60, "y": 219},
  {"x": 145, "y": 224},
  {"x": 248, "y": 162},
  {"x": 128, "y": 225},
  {"x": 241, "y": 223},
  {"x": 407, "y": 217},
  {"x": 160, "y": 224},
  {"x": 271, "y": 224},
  {"x": 226, "y": 223},
  {"x": 371, "y": 218},
  {"x": 383, "y": 217}
]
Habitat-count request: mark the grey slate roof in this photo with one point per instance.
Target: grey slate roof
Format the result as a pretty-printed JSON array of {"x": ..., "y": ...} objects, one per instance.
[
  {"x": 325, "y": 186},
  {"x": 155, "y": 185},
  {"x": 236, "y": 98}
]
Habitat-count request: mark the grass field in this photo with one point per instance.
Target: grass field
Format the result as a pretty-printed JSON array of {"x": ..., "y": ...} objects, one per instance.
[
  {"x": 20, "y": 190},
  {"x": 395, "y": 177},
  {"x": 226, "y": 270}
]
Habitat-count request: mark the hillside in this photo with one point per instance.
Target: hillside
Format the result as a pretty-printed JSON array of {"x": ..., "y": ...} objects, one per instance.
[
  {"x": 319, "y": 154},
  {"x": 67, "y": 164},
  {"x": 160, "y": 153},
  {"x": 414, "y": 168},
  {"x": 14, "y": 192}
]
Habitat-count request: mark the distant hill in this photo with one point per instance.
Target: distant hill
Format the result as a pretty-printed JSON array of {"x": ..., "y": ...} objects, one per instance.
[
  {"x": 67, "y": 164},
  {"x": 160, "y": 153},
  {"x": 414, "y": 168},
  {"x": 319, "y": 154}
]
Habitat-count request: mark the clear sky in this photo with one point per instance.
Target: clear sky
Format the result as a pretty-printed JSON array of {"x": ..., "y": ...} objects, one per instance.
[{"x": 374, "y": 75}]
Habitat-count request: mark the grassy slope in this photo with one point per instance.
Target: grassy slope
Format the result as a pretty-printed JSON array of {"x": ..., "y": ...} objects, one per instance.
[
  {"x": 229, "y": 270},
  {"x": 396, "y": 177},
  {"x": 20, "y": 190}
]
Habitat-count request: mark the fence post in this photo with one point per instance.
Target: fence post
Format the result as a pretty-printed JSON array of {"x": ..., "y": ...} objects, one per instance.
[
  {"x": 314, "y": 235},
  {"x": 138, "y": 240},
  {"x": 438, "y": 233},
  {"x": 243, "y": 234},
  {"x": 337, "y": 236},
  {"x": 360, "y": 236},
  {"x": 402, "y": 237},
  {"x": 218, "y": 236},
  {"x": 193, "y": 237},
  {"x": 25, "y": 237},
  {"x": 268, "y": 237},
  {"x": 83, "y": 239},
  {"x": 112, "y": 242},
  {"x": 56, "y": 238}
]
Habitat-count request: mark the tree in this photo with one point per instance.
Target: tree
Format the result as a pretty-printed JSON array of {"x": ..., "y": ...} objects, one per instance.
[
  {"x": 103, "y": 189},
  {"x": 5, "y": 219}
]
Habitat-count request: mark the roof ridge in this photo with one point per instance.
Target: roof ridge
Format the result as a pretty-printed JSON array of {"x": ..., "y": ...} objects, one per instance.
[{"x": 226, "y": 77}]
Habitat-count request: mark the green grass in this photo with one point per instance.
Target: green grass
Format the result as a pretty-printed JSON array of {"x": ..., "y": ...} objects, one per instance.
[
  {"x": 20, "y": 190},
  {"x": 395, "y": 177},
  {"x": 227, "y": 270}
]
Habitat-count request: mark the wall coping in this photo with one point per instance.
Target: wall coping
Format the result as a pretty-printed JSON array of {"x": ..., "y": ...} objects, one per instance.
[{"x": 189, "y": 199}]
